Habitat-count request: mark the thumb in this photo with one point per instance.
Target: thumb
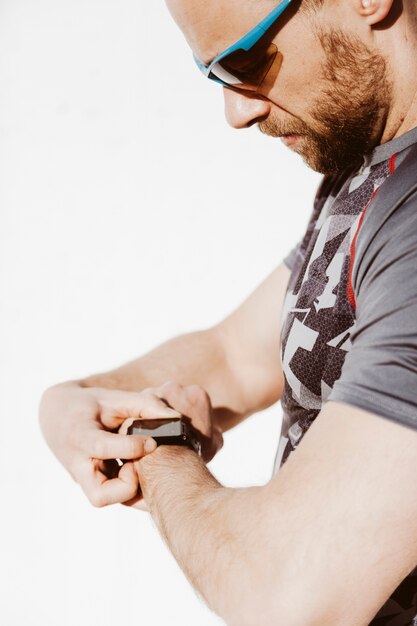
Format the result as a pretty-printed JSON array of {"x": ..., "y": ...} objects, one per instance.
[{"x": 117, "y": 406}]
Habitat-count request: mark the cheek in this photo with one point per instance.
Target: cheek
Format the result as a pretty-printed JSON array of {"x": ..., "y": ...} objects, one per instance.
[{"x": 299, "y": 82}]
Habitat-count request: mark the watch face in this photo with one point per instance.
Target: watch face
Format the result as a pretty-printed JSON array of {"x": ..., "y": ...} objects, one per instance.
[
  {"x": 168, "y": 427},
  {"x": 167, "y": 431}
]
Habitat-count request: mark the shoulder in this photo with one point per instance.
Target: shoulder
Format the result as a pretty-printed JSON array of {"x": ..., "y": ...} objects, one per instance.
[
  {"x": 387, "y": 239},
  {"x": 380, "y": 369}
]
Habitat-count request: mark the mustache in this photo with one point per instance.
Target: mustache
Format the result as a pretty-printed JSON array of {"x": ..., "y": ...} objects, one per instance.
[{"x": 274, "y": 128}]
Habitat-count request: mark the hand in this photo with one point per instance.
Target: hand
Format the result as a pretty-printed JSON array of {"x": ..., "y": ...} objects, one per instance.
[
  {"x": 191, "y": 401},
  {"x": 194, "y": 402},
  {"x": 80, "y": 426}
]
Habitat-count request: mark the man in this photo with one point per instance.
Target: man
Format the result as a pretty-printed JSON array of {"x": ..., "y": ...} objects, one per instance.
[{"x": 332, "y": 538}]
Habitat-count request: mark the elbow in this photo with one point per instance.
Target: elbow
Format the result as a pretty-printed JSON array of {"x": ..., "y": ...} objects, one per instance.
[
  {"x": 264, "y": 615},
  {"x": 273, "y": 608}
]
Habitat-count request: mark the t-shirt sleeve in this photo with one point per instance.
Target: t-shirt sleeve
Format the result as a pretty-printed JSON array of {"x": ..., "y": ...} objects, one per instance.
[{"x": 379, "y": 373}]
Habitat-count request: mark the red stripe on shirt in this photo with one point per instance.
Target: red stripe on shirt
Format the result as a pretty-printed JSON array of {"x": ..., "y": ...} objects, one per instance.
[
  {"x": 349, "y": 289},
  {"x": 392, "y": 163}
]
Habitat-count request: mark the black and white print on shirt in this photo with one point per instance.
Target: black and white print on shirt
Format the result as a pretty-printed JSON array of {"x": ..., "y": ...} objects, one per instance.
[
  {"x": 317, "y": 321},
  {"x": 318, "y": 314}
]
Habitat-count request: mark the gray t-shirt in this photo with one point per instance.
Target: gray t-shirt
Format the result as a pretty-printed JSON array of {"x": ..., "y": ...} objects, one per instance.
[
  {"x": 349, "y": 324},
  {"x": 350, "y": 315}
]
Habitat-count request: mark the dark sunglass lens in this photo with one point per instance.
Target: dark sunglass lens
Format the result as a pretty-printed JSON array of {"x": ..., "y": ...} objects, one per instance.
[{"x": 246, "y": 69}]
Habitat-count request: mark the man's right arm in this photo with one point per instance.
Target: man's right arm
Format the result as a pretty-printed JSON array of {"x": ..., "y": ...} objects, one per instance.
[
  {"x": 218, "y": 377},
  {"x": 236, "y": 361}
]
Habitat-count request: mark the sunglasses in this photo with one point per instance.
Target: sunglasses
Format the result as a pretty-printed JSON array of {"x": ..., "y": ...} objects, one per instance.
[{"x": 250, "y": 62}]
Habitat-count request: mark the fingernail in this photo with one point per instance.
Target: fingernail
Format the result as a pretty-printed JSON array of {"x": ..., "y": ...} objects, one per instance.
[
  {"x": 150, "y": 445},
  {"x": 366, "y": 3}
]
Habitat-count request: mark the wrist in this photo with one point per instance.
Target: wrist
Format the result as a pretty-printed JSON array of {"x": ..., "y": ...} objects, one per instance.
[{"x": 173, "y": 470}]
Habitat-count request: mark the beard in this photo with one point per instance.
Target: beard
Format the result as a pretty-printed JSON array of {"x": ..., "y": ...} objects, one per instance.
[{"x": 349, "y": 114}]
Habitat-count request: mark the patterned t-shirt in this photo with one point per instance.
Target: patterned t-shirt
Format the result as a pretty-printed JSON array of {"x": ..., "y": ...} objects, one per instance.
[{"x": 349, "y": 323}]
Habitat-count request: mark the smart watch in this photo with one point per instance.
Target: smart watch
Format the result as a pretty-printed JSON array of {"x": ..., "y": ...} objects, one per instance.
[{"x": 176, "y": 431}]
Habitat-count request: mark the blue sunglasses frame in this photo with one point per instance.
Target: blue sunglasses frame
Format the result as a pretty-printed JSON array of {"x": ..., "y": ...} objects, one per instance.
[{"x": 244, "y": 43}]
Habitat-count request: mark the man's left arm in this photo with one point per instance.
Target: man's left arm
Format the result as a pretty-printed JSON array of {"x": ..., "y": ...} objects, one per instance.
[{"x": 325, "y": 542}]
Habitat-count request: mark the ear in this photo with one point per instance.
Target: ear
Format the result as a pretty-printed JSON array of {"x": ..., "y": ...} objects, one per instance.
[{"x": 374, "y": 11}]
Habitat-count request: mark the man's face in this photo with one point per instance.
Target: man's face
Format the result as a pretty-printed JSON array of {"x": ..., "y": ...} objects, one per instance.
[{"x": 330, "y": 100}]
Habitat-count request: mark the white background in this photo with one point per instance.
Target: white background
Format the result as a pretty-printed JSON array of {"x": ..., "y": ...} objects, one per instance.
[{"x": 130, "y": 212}]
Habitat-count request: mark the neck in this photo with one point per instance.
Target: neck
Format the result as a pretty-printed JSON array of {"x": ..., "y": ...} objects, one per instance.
[{"x": 402, "y": 60}]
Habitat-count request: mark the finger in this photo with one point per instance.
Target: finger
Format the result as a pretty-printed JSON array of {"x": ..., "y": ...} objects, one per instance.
[
  {"x": 125, "y": 425},
  {"x": 194, "y": 402},
  {"x": 209, "y": 447},
  {"x": 102, "y": 491},
  {"x": 100, "y": 444},
  {"x": 155, "y": 407},
  {"x": 137, "y": 503},
  {"x": 116, "y": 406},
  {"x": 218, "y": 437},
  {"x": 174, "y": 393},
  {"x": 213, "y": 446}
]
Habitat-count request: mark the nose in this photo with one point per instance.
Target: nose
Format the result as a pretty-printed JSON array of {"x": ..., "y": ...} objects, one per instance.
[{"x": 243, "y": 109}]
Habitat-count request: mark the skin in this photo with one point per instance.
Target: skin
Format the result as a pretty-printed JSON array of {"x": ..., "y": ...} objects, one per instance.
[
  {"x": 211, "y": 376},
  {"x": 235, "y": 387},
  {"x": 308, "y": 548},
  {"x": 360, "y": 70},
  {"x": 253, "y": 544},
  {"x": 292, "y": 521}
]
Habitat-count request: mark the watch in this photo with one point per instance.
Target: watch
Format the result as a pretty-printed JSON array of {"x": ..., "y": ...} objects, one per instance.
[{"x": 175, "y": 431}]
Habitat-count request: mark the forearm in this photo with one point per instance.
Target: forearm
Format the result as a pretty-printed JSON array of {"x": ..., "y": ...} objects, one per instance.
[
  {"x": 193, "y": 358},
  {"x": 215, "y": 533}
]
